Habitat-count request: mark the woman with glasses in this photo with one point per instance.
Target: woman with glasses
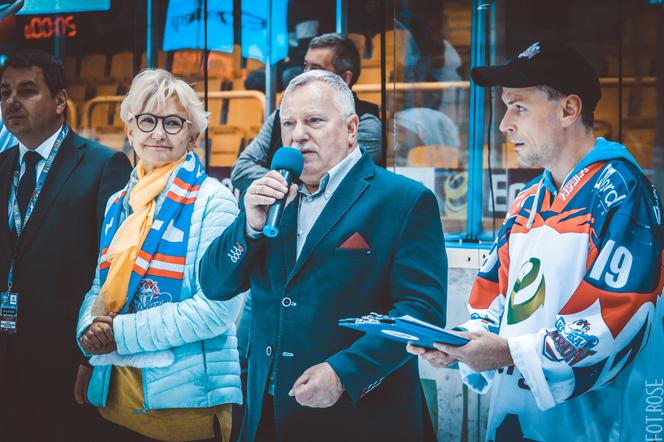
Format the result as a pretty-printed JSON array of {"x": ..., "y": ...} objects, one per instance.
[{"x": 164, "y": 356}]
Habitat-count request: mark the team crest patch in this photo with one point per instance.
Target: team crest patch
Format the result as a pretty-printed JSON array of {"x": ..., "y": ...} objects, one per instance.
[
  {"x": 570, "y": 342},
  {"x": 149, "y": 295},
  {"x": 531, "y": 51}
]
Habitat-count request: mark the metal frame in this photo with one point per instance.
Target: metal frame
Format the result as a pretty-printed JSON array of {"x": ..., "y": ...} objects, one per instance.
[
  {"x": 150, "y": 48},
  {"x": 476, "y": 124},
  {"x": 342, "y": 16}
]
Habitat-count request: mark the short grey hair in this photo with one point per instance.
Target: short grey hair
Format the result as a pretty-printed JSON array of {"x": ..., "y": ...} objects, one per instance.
[
  {"x": 151, "y": 89},
  {"x": 343, "y": 97}
]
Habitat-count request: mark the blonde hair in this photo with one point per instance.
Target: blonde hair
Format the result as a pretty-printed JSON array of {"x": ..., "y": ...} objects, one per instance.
[{"x": 151, "y": 89}]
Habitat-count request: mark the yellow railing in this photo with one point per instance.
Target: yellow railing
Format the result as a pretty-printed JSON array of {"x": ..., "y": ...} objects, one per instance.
[
  {"x": 359, "y": 88},
  {"x": 423, "y": 86},
  {"x": 88, "y": 106},
  {"x": 628, "y": 81},
  {"x": 442, "y": 85}
]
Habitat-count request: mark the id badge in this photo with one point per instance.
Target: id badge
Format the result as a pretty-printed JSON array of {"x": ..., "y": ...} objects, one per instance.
[{"x": 8, "y": 312}]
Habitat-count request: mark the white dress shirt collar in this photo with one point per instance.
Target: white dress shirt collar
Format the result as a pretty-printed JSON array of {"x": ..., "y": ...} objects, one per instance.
[
  {"x": 331, "y": 180},
  {"x": 44, "y": 149}
]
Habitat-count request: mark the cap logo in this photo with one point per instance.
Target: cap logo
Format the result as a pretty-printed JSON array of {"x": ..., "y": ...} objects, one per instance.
[{"x": 531, "y": 51}]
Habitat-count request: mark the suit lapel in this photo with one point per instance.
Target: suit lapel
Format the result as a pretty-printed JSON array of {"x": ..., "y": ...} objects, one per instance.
[
  {"x": 7, "y": 169},
  {"x": 65, "y": 162},
  {"x": 348, "y": 192}
]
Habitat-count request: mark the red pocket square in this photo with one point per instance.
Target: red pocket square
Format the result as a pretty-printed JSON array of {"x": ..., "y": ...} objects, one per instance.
[{"x": 355, "y": 242}]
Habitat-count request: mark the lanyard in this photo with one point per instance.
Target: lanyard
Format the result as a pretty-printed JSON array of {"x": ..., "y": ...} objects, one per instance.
[{"x": 19, "y": 223}]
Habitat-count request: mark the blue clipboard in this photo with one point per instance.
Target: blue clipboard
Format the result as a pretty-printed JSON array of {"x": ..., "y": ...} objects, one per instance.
[{"x": 404, "y": 329}]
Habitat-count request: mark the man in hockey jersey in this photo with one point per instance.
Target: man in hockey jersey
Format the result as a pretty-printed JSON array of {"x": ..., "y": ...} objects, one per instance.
[{"x": 565, "y": 326}]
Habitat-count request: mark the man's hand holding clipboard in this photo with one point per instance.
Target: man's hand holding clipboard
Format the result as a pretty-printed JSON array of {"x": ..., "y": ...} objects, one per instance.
[
  {"x": 480, "y": 350},
  {"x": 484, "y": 351}
]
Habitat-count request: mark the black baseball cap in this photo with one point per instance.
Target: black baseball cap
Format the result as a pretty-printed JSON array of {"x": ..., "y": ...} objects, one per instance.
[{"x": 545, "y": 63}]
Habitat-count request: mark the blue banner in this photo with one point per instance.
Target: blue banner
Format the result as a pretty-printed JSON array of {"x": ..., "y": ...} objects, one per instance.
[
  {"x": 255, "y": 32},
  {"x": 63, "y": 6},
  {"x": 184, "y": 27}
]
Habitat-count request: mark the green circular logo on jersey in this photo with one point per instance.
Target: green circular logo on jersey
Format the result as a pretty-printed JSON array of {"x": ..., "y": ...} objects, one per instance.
[{"x": 520, "y": 312}]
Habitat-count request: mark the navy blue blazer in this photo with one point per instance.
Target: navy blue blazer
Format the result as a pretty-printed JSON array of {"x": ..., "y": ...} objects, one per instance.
[
  {"x": 55, "y": 265},
  {"x": 296, "y": 305}
]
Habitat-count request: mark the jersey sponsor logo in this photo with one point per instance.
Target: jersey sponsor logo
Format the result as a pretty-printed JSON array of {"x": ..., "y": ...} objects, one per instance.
[
  {"x": 529, "y": 276},
  {"x": 609, "y": 195},
  {"x": 570, "y": 342},
  {"x": 571, "y": 184}
]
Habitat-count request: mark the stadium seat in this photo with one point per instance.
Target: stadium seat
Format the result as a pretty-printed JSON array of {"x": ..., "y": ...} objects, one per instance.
[
  {"x": 162, "y": 60},
  {"x": 122, "y": 67},
  {"x": 372, "y": 97},
  {"x": 224, "y": 148},
  {"x": 77, "y": 92},
  {"x": 214, "y": 84},
  {"x": 70, "y": 67},
  {"x": 370, "y": 74},
  {"x": 102, "y": 115},
  {"x": 360, "y": 42},
  {"x": 245, "y": 115},
  {"x": 398, "y": 37},
  {"x": 434, "y": 156},
  {"x": 187, "y": 64},
  {"x": 93, "y": 68},
  {"x": 220, "y": 65},
  {"x": 215, "y": 106}
]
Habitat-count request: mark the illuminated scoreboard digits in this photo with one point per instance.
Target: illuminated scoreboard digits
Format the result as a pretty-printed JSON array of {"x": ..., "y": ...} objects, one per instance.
[{"x": 47, "y": 27}]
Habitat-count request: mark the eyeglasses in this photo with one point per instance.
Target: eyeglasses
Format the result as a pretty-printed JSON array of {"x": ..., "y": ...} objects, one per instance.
[{"x": 172, "y": 124}]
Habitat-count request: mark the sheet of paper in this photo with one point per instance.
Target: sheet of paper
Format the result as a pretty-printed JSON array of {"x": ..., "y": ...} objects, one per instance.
[{"x": 410, "y": 319}]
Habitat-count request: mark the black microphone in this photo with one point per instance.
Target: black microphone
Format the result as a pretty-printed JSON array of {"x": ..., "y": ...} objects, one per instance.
[{"x": 289, "y": 162}]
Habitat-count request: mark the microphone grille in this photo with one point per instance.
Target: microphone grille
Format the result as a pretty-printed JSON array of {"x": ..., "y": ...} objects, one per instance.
[{"x": 288, "y": 158}]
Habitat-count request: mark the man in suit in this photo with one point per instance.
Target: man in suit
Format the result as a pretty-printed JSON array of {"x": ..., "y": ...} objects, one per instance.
[
  {"x": 54, "y": 186},
  {"x": 354, "y": 239}
]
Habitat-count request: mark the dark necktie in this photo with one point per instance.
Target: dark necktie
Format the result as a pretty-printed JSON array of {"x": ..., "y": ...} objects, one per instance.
[{"x": 26, "y": 186}]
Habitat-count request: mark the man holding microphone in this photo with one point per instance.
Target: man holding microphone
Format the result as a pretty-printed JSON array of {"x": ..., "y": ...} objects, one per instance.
[{"x": 354, "y": 239}]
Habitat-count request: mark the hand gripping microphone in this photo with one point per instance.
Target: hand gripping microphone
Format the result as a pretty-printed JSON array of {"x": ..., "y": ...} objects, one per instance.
[{"x": 289, "y": 162}]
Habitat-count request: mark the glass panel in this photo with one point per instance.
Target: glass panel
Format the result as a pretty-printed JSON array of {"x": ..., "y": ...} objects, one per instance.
[
  {"x": 620, "y": 43},
  {"x": 99, "y": 69},
  {"x": 427, "y": 58}
]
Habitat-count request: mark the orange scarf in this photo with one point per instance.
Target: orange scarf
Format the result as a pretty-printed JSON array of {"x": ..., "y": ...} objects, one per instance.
[{"x": 130, "y": 236}]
